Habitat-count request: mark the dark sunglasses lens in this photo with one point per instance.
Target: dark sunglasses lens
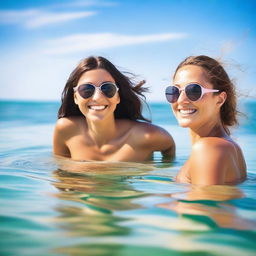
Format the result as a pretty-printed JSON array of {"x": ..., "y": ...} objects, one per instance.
[
  {"x": 108, "y": 89},
  {"x": 193, "y": 91},
  {"x": 172, "y": 94},
  {"x": 86, "y": 90}
]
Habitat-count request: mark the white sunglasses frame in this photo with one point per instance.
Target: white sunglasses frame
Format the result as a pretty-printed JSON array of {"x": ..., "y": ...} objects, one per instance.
[
  {"x": 203, "y": 91},
  {"x": 96, "y": 88}
]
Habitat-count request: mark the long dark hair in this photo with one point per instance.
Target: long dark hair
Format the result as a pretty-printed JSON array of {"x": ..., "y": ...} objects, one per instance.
[
  {"x": 220, "y": 80},
  {"x": 130, "y": 106}
]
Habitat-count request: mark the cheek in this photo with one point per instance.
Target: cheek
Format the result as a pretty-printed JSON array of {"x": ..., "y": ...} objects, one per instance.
[
  {"x": 81, "y": 104},
  {"x": 174, "y": 108},
  {"x": 207, "y": 105},
  {"x": 208, "y": 111},
  {"x": 79, "y": 100},
  {"x": 83, "y": 109},
  {"x": 115, "y": 100}
]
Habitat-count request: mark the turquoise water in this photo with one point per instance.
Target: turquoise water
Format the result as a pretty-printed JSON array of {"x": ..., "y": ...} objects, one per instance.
[{"x": 53, "y": 207}]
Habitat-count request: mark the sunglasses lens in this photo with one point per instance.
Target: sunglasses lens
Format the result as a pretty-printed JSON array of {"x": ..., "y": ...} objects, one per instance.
[
  {"x": 172, "y": 94},
  {"x": 109, "y": 89},
  {"x": 86, "y": 90},
  {"x": 193, "y": 91}
]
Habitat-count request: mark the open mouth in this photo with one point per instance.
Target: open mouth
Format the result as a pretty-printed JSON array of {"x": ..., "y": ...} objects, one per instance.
[
  {"x": 98, "y": 107},
  {"x": 187, "y": 111}
]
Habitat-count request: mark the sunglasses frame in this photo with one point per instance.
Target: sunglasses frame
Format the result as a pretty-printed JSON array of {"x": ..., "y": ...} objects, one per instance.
[
  {"x": 96, "y": 88},
  {"x": 203, "y": 91}
]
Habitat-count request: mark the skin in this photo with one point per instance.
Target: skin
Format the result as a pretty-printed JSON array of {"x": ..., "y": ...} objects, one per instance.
[
  {"x": 215, "y": 157},
  {"x": 98, "y": 136}
]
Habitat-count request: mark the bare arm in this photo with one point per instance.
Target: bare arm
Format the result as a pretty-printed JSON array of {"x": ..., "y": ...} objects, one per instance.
[
  {"x": 167, "y": 145},
  {"x": 161, "y": 140}
]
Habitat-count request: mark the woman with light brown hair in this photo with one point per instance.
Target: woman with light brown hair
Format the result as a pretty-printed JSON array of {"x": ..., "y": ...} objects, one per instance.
[
  {"x": 101, "y": 117},
  {"x": 203, "y": 99}
]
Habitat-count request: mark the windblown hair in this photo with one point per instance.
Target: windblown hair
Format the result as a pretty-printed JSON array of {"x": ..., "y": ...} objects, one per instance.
[
  {"x": 220, "y": 80},
  {"x": 131, "y": 96}
]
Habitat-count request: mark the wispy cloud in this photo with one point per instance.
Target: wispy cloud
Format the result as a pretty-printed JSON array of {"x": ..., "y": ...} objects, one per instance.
[
  {"x": 35, "y": 18},
  {"x": 85, "y": 3},
  {"x": 85, "y": 42}
]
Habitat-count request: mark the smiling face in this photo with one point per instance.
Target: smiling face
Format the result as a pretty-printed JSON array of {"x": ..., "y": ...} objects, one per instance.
[
  {"x": 98, "y": 106},
  {"x": 196, "y": 114}
]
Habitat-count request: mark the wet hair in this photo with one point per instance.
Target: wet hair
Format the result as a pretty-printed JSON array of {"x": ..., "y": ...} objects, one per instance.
[
  {"x": 131, "y": 96},
  {"x": 220, "y": 80}
]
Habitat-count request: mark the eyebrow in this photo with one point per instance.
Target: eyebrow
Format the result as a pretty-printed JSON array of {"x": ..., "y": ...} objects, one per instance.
[
  {"x": 100, "y": 83},
  {"x": 187, "y": 84}
]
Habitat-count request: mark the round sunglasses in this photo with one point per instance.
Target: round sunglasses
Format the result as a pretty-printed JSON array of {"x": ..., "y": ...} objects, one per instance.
[
  {"x": 194, "y": 92},
  {"x": 87, "y": 90}
]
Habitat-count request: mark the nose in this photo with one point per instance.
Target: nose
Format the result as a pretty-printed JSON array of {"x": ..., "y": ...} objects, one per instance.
[
  {"x": 183, "y": 97},
  {"x": 97, "y": 94}
]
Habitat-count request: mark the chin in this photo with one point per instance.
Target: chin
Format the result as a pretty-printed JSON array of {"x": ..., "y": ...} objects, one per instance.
[
  {"x": 95, "y": 118},
  {"x": 184, "y": 123}
]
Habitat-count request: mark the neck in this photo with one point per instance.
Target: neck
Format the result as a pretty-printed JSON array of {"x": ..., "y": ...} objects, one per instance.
[
  {"x": 102, "y": 131},
  {"x": 210, "y": 129}
]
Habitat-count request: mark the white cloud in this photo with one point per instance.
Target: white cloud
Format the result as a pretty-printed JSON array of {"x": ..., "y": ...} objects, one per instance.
[
  {"x": 34, "y": 18},
  {"x": 49, "y": 18},
  {"x": 16, "y": 16},
  {"x": 86, "y": 42},
  {"x": 83, "y": 3}
]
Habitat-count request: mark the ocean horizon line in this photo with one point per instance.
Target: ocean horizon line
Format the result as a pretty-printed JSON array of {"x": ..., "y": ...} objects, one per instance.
[
  {"x": 5, "y": 100},
  {"x": 56, "y": 101}
]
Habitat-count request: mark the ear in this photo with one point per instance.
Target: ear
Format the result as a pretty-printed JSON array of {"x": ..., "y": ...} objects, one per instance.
[
  {"x": 118, "y": 98},
  {"x": 75, "y": 98},
  {"x": 221, "y": 99}
]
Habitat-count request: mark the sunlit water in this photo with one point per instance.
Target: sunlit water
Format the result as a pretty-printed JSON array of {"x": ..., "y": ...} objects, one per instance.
[{"x": 60, "y": 207}]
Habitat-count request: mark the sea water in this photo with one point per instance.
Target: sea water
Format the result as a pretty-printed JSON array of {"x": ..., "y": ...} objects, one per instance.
[{"x": 62, "y": 207}]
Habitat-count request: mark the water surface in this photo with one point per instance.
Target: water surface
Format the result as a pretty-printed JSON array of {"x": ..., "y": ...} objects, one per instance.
[{"x": 52, "y": 206}]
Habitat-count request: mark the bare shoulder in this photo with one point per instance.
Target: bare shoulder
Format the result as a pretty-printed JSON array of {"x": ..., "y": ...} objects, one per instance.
[
  {"x": 67, "y": 122},
  {"x": 149, "y": 131},
  {"x": 213, "y": 152},
  {"x": 153, "y": 137},
  {"x": 65, "y": 129},
  {"x": 68, "y": 125},
  {"x": 211, "y": 159},
  {"x": 213, "y": 144},
  {"x": 146, "y": 127}
]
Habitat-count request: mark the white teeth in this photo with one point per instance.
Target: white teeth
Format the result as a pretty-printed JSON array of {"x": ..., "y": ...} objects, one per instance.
[
  {"x": 187, "y": 111},
  {"x": 97, "y": 107}
]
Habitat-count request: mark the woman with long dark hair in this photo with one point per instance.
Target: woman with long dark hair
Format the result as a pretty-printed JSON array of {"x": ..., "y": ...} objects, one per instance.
[{"x": 100, "y": 117}]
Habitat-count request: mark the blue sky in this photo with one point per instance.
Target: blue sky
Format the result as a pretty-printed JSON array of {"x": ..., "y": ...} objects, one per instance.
[{"x": 42, "y": 41}]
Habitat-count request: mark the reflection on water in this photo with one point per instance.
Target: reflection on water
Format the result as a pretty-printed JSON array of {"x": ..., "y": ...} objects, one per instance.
[
  {"x": 98, "y": 194},
  {"x": 61, "y": 207},
  {"x": 120, "y": 209},
  {"x": 211, "y": 202}
]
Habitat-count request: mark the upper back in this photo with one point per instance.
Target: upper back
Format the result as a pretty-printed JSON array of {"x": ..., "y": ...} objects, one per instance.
[{"x": 214, "y": 161}]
